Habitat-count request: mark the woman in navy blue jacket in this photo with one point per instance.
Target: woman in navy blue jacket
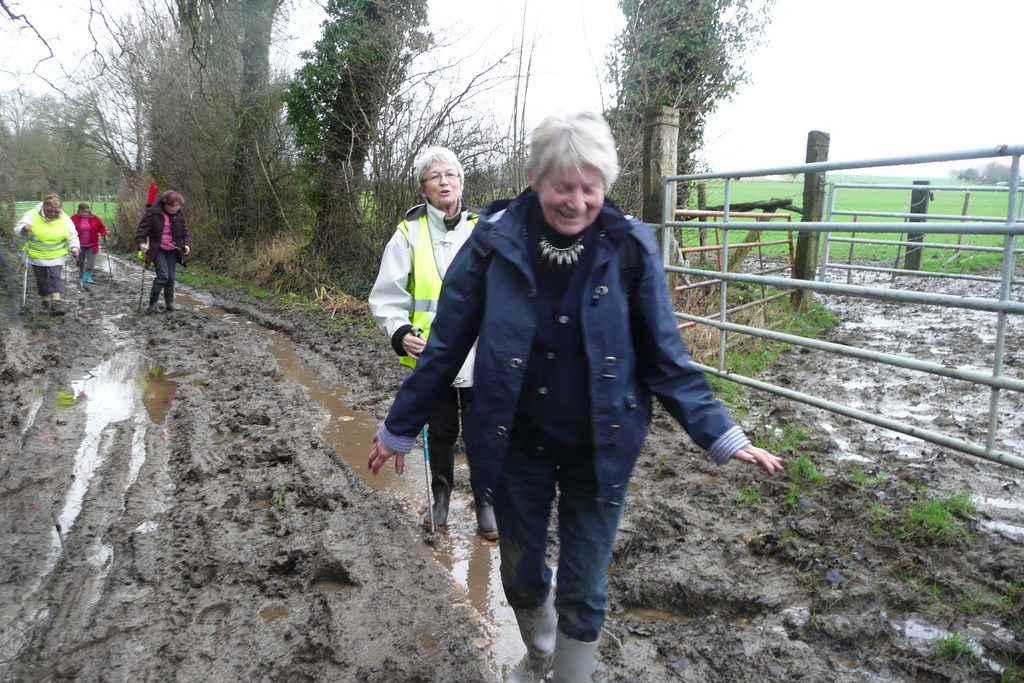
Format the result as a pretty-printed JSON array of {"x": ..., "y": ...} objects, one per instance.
[{"x": 567, "y": 301}]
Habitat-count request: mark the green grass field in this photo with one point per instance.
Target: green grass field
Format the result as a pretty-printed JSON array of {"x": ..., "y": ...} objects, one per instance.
[
  {"x": 868, "y": 198},
  {"x": 107, "y": 211}
]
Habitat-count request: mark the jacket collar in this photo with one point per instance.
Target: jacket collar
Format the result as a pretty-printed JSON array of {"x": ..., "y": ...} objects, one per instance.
[{"x": 508, "y": 221}]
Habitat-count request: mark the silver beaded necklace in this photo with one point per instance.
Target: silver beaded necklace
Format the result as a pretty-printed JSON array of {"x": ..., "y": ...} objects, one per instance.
[{"x": 561, "y": 257}]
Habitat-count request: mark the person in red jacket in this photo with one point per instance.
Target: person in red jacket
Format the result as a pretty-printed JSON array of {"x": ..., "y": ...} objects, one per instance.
[{"x": 89, "y": 228}]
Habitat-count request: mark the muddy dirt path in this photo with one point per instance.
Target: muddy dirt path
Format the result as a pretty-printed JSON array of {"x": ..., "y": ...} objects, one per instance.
[{"x": 207, "y": 470}]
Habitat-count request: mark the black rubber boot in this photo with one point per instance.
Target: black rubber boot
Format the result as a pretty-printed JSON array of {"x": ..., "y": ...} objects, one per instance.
[
  {"x": 442, "y": 474},
  {"x": 169, "y": 296},
  {"x": 486, "y": 526},
  {"x": 154, "y": 296}
]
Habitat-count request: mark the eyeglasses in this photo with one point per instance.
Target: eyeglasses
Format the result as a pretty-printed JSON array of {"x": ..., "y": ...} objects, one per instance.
[{"x": 435, "y": 178}]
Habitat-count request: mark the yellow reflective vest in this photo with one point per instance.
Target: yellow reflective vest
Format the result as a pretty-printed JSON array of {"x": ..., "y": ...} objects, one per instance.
[
  {"x": 49, "y": 239},
  {"x": 424, "y": 280}
]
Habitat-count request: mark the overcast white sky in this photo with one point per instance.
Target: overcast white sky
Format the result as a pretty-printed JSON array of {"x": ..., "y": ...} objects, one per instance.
[{"x": 883, "y": 77}]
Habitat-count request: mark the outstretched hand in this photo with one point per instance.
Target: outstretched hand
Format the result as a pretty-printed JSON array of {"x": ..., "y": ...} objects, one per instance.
[
  {"x": 379, "y": 454},
  {"x": 759, "y": 456}
]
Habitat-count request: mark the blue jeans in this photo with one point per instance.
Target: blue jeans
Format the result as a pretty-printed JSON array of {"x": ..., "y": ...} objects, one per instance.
[
  {"x": 165, "y": 261},
  {"x": 586, "y": 533}
]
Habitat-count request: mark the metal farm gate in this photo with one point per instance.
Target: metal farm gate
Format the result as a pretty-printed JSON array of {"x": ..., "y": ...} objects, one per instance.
[{"x": 848, "y": 223}]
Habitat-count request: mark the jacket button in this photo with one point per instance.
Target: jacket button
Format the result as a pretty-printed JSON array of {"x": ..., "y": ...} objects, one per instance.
[
  {"x": 531, "y": 293},
  {"x": 550, "y": 355},
  {"x": 609, "y": 360},
  {"x": 601, "y": 291},
  {"x": 502, "y": 430},
  {"x": 615, "y": 429},
  {"x": 516, "y": 362},
  {"x": 563, "y": 319},
  {"x": 542, "y": 391}
]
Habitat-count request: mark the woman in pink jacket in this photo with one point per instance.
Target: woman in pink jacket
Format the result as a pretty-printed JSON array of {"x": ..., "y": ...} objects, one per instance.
[{"x": 89, "y": 228}]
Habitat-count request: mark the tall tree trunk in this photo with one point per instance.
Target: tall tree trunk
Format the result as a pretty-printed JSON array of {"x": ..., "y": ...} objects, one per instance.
[{"x": 251, "y": 195}]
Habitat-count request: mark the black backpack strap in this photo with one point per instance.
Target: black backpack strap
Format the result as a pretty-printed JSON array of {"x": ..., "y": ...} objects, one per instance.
[{"x": 630, "y": 264}]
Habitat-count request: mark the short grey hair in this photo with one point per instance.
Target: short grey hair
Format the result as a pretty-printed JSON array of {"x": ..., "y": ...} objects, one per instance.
[
  {"x": 433, "y": 155},
  {"x": 568, "y": 142}
]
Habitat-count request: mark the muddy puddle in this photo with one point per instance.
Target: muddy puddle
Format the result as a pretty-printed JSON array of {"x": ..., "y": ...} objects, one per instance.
[
  {"x": 472, "y": 562},
  {"x": 127, "y": 387}
]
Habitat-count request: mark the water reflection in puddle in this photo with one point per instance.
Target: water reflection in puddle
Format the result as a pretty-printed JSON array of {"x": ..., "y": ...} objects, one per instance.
[
  {"x": 917, "y": 630},
  {"x": 121, "y": 388},
  {"x": 474, "y": 565},
  {"x": 1004, "y": 507},
  {"x": 274, "y": 612}
]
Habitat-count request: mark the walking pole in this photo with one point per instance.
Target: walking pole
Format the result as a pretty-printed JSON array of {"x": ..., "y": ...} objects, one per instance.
[
  {"x": 426, "y": 476},
  {"x": 142, "y": 287},
  {"x": 110, "y": 266},
  {"x": 24, "y": 284}
]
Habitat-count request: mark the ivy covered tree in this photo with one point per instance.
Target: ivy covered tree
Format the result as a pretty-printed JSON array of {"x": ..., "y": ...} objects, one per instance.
[
  {"x": 685, "y": 54},
  {"x": 335, "y": 103},
  {"x": 228, "y": 44}
]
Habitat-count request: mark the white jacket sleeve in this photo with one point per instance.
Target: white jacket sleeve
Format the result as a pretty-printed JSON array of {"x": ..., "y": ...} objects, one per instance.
[
  {"x": 390, "y": 301},
  {"x": 73, "y": 242},
  {"x": 23, "y": 222}
]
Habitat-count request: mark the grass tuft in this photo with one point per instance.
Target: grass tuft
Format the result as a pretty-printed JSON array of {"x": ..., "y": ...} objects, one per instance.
[
  {"x": 953, "y": 648},
  {"x": 936, "y": 519},
  {"x": 865, "y": 480},
  {"x": 804, "y": 470}
]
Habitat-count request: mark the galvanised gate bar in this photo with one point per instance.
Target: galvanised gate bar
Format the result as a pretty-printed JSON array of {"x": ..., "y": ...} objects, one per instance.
[
  {"x": 831, "y": 212},
  {"x": 1008, "y": 227}
]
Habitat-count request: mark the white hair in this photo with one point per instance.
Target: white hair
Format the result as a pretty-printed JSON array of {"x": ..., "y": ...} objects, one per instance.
[
  {"x": 433, "y": 155},
  {"x": 568, "y": 142}
]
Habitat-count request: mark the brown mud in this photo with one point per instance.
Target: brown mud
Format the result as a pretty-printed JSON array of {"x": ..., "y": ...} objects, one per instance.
[{"x": 207, "y": 470}]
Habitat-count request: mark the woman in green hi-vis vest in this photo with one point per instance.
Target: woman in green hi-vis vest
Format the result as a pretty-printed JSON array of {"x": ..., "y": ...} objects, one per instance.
[
  {"x": 51, "y": 235},
  {"x": 404, "y": 301}
]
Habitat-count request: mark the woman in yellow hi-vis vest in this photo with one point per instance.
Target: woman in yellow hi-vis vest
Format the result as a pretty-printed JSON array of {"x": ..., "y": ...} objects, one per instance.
[
  {"x": 404, "y": 300},
  {"x": 51, "y": 235}
]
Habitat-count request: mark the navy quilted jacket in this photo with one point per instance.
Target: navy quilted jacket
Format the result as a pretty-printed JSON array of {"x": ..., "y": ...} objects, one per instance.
[{"x": 633, "y": 349}]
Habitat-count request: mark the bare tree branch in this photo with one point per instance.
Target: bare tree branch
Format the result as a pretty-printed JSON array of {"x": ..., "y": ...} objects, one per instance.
[{"x": 23, "y": 19}]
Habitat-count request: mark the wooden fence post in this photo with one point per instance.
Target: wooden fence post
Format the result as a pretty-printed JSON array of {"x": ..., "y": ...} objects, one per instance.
[
  {"x": 814, "y": 204},
  {"x": 918, "y": 204},
  {"x": 661, "y": 138}
]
